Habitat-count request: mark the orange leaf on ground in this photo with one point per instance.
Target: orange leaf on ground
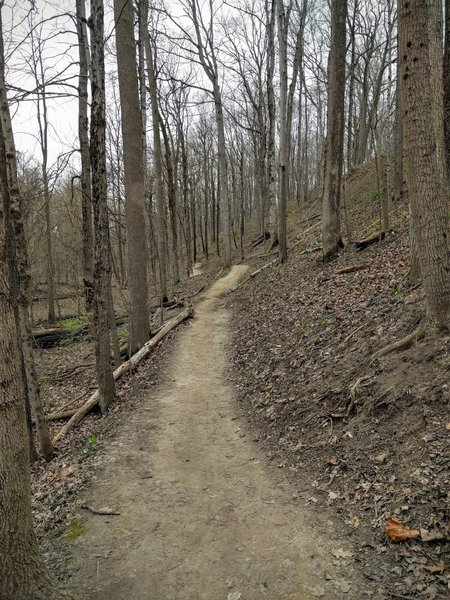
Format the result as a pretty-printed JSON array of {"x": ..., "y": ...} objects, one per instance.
[{"x": 398, "y": 532}]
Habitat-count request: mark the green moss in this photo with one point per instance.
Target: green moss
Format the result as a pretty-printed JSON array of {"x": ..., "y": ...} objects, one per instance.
[
  {"x": 370, "y": 196},
  {"x": 74, "y": 529}
]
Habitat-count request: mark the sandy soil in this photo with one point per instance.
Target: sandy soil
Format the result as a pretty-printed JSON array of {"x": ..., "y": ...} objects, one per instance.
[{"x": 202, "y": 516}]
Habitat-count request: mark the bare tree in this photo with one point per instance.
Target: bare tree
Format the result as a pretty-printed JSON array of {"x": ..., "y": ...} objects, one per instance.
[
  {"x": 83, "y": 135},
  {"x": 331, "y": 230},
  {"x": 422, "y": 116},
  {"x": 138, "y": 324},
  {"x": 157, "y": 158},
  {"x": 24, "y": 276},
  {"x": 102, "y": 269}
]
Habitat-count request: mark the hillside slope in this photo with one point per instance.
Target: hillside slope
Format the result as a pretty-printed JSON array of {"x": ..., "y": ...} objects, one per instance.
[{"x": 366, "y": 439}]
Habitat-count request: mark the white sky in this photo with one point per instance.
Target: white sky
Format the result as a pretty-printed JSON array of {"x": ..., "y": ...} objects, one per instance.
[{"x": 60, "y": 52}]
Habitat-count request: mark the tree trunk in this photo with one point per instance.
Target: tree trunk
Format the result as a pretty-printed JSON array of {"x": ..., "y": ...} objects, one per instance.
[
  {"x": 223, "y": 175},
  {"x": 172, "y": 201},
  {"x": 19, "y": 241},
  {"x": 102, "y": 268},
  {"x": 133, "y": 160},
  {"x": 447, "y": 86},
  {"x": 83, "y": 135},
  {"x": 157, "y": 160},
  {"x": 331, "y": 227},
  {"x": 283, "y": 151},
  {"x": 23, "y": 575},
  {"x": 271, "y": 116},
  {"x": 422, "y": 115}
]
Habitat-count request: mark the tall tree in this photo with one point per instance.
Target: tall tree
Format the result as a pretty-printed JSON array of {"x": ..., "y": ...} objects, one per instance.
[
  {"x": 157, "y": 157},
  {"x": 83, "y": 135},
  {"x": 102, "y": 268},
  {"x": 23, "y": 575},
  {"x": 283, "y": 20},
  {"x": 331, "y": 222},
  {"x": 447, "y": 84},
  {"x": 422, "y": 116},
  {"x": 133, "y": 158},
  {"x": 20, "y": 249}
]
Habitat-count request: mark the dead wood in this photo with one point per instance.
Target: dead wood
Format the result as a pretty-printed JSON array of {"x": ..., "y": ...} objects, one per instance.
[
  {"x": 100, "y": 511},
  {"x": 402, "y": 344},
  {"x": 299, "y": 239},
  {"x": 63, "y": 414},
  {"x": 261, "y": 239},
  {"x": 373, "y": 239},
  {"x": 352, "y": 269},
  {"x": 349, "y": 337},
  {"x": 354, "y": 389},
  {"x": 311, "y": 218},
  {"x": 58, "y": 377},
  {"x": 197, "y": 292},
  {"x": 124, "y": 368},
  {"x": 311, "y": 250},
  {"x": 263, "y": 268}
]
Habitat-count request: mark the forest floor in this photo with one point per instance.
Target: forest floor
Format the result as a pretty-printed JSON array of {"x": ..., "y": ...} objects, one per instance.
[
  {"x": 202, "y": 516},
  {"x": 319, "y": 444},
  {"x": 367, "y": 439}
]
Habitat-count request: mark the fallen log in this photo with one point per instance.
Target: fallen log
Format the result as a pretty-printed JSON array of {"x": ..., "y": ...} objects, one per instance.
[
  {"x": 51, "y": 336},
  {"x": 47, "y": 338},
  {"x": 251, "y": 275},
  {"x": 261, "y": 239},
  {"x": 263, "y": 268},
  {"x": 124, "y": 368},
  {"x": 63, "y": 414},
  {"x": 373, "y": 239}
]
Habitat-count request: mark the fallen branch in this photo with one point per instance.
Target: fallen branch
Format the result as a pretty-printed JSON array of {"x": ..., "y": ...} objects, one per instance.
[
  {"x": 310, "y": 219},
  {"x": 261, "y": 239},
  {"x": 352, "y": 269},
  {"x": 57, "y": 377},
  {"x": 349, "y": 337},
  {"x": 311, "y": 250},
  {"x": 263, "y": 268},
  {"x": 124, "y": 368},
  {"x": 299, "y": 239}
]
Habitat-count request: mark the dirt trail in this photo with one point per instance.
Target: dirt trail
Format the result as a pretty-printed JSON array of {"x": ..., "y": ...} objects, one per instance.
[{"x": 202, "y": 516}]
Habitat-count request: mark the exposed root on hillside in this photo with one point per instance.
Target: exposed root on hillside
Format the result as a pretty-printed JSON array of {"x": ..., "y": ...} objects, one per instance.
[{"x": 403, "y": 343}]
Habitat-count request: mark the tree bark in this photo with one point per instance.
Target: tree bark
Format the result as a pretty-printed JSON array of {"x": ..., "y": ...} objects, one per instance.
[
  {"x": 331, "y": 221},
  {"x": 23, "y": 575},
  {"x": 157, "y": 160},
  {"x": 102, "y": 268},
  {"x": 447, "y": 85},
  {"x": 422, "y": 116},
  {"x": 83, "y": 136},
  {"x": 23, "y": 267},
  {"x": 283, "y": 150},
  {"x": 133, "y": 159}
]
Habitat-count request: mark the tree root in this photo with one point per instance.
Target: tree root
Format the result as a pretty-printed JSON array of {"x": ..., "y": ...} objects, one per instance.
[
  {"x": 353, "y": 391},
  {"x": 402, "y": 344}
]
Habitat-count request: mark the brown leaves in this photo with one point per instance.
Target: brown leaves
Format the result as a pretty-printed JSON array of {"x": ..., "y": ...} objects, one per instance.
[{"x": 398, "y": 532}]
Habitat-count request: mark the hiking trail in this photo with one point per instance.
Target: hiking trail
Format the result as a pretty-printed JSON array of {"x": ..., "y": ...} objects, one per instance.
[{"x": 202, "y": 514}]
